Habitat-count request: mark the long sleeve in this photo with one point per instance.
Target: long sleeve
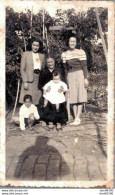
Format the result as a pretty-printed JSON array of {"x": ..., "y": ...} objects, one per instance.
[
  {"x": 83, "y": 61},
  {"x": 21, "y": 118},
  {"x": 45, "y": 77},
  {"x": 84, "y": 67},
  {"x": 41, "y": 82},
  {"x": 47, "y": 85},
  {"x": 23, "y": 67},
  {"x": 36, "y": 113}
]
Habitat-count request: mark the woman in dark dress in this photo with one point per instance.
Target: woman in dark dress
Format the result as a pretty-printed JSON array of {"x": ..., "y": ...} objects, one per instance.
[
  {"x": 49, "y": 113},
  {"x": 32, "y": 63}
]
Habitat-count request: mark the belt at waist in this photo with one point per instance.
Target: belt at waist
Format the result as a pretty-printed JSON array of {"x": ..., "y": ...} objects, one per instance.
[{"x": 36, "y": 71}]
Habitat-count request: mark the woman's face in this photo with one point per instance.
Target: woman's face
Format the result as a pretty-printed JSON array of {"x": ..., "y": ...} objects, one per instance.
[
  {"x": 72, "y": 42},
  {"x": 50, "y": 63},
  {"x": 35, "y": 46}
]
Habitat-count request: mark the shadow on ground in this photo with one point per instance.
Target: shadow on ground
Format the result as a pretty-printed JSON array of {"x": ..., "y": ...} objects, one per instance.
[{"x": 41, "y": 162}]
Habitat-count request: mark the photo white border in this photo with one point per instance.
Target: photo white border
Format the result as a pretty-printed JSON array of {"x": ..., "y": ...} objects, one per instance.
[{"x": 78, "y": 184}]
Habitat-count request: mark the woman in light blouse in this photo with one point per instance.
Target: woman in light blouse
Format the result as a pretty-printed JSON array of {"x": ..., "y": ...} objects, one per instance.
[{"x": 32, "y": 63}]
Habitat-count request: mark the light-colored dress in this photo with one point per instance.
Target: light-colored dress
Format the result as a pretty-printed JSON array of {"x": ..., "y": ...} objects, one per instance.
[
  {"x": 75, "y": 75},
  {"x": 53, "y": 95}
]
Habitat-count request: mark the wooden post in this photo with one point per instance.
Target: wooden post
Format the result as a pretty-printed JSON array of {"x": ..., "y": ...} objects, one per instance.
[
  {"x": 68, "y": 105},
  {"x": 16, "y": 99},
  {"x": 101, "y": 34},
  {"x": 31, "y": 22},
  {"x": 43, "y": 28},
  {"x": 47, "y": 39}
]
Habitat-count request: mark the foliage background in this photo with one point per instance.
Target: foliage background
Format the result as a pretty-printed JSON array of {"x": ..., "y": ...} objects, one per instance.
[{"x": 19, "y": 30}]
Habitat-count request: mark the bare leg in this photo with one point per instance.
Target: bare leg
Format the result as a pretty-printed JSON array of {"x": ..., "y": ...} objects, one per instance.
[
  {"x": 57, "y": 107},
  {"x": 75, "y": 110},
  {"x": 79, "y": 110},
  {"x": 31, "y": 120},
  {"x": 77, "y": 120}
]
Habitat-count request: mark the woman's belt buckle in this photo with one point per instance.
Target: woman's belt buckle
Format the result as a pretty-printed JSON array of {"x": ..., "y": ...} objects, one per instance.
[{"x": 36, "y": 71}]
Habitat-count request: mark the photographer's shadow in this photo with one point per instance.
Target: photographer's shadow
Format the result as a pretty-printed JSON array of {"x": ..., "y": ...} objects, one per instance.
[{"x": 41, "y": 162}]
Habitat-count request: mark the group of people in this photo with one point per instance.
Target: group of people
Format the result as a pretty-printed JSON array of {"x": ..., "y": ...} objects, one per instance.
[{"x": 46, "y": 86}]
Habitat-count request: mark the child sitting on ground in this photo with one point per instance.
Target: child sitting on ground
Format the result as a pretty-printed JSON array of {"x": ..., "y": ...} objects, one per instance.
[
  {"x": 54, "y": 90},
  {"x": 28, "y": 113}
]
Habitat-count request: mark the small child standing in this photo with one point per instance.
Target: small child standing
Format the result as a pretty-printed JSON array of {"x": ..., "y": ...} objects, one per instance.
[
  {"x": 28, "y": 113},
  {"x": 53, "y": 92}
]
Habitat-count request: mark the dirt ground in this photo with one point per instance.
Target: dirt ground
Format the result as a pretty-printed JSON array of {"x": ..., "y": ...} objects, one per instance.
[{"x": 77, "y": 153}]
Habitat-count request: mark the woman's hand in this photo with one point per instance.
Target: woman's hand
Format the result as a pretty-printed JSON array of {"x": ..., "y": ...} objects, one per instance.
[
  {"x": 86, "y": 83},
  {"x": 44, "y": 92},
  {"x": 61, "y": 89},
  {"x": 48, "y": 89},
  {"x": 67, "y": 95},
  {"x": 26, "y": 86}
]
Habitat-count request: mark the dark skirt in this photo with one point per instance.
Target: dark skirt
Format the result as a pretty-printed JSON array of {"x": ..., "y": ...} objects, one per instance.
[{"x": 49, "y": 113}]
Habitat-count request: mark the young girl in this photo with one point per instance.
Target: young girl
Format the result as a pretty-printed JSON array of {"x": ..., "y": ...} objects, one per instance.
[
  {"x": 28, "y": 113},
  {"x": 54, "y": 101}
]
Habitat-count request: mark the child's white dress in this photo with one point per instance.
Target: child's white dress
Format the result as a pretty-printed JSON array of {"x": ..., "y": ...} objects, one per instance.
[{"x": 53, "y": 95}]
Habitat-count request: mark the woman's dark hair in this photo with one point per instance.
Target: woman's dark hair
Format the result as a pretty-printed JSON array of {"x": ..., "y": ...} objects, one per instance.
[
  {"x": 74, "y": 36},
  {"x": 28, "y": 97},
  {"x": 56, "y": 73},
  {"x": 34, "y": 39}
]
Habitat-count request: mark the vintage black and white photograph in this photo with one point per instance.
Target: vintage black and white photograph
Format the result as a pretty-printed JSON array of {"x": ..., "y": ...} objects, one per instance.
[{"x": 56, "y": 69}]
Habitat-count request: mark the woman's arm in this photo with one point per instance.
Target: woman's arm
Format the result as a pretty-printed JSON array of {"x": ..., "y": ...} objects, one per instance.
[
  {"x": 85, "y": 71},
  {"x": 47, "y": 87},
  {"x": 23, "y": 71},
  {"x": 23, "y": 67},
  {"x": 42, "y": 79},
  {"x": 84, "y": 67},
  {"x": 83, "y": 61}
]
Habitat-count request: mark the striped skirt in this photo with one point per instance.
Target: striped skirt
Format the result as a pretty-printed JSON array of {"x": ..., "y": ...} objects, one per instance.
[
  {"x": 32, "y": 90},
  {"x": 77, "y": 91}
]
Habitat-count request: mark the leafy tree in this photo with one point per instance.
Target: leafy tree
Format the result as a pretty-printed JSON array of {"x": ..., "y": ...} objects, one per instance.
[{"x": 84, "y": 25}]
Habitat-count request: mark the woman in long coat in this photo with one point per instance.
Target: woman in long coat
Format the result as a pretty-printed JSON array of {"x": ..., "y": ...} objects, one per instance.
[{"x": 32, "y": 63}]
